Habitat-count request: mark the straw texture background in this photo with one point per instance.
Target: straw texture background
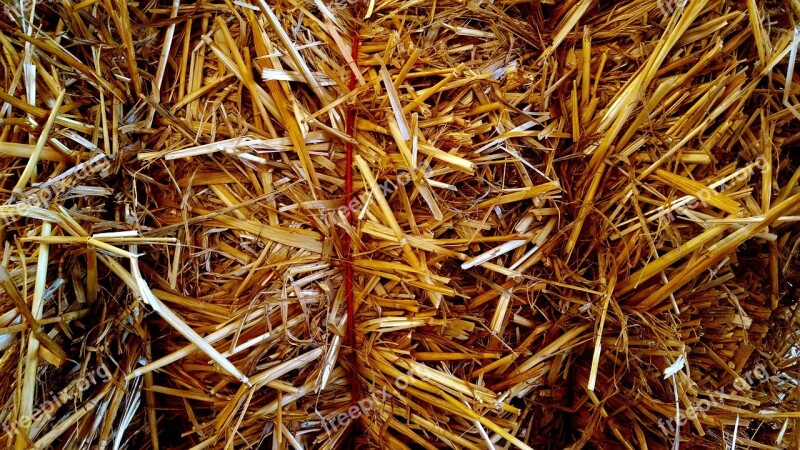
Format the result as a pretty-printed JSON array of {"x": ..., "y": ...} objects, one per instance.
[{"x": 304, "y": 224}]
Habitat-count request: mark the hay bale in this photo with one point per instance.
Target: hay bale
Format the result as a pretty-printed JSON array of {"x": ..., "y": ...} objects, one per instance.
[{"x": 421, "y": 224}]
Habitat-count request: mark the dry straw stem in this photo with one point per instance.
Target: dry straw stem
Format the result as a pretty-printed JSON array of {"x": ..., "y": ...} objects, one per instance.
[{"x": 553, "y": 203}]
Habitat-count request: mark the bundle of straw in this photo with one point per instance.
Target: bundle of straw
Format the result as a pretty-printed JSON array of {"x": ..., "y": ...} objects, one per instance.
[{"x": 420, "y": 224}]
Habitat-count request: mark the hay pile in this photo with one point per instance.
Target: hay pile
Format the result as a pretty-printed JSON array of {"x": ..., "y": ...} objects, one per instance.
[{"x": 421, "y": 224}]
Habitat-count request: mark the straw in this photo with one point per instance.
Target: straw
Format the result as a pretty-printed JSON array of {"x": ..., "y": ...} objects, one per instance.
[{"x": 399, "y": 224}]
